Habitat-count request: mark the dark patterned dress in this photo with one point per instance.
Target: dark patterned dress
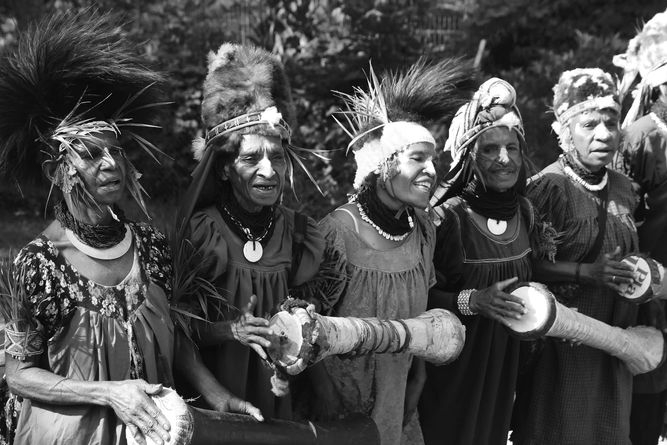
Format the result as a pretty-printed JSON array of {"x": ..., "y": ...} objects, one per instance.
[
  {"x": 235, "y": 365},
  {"x": 580, "y": 395},
  {"x": 94, "y": 332},
  {"x": 470, "y": 401}
]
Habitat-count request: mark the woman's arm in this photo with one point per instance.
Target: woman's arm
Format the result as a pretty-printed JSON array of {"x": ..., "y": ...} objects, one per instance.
[
  {"x": 128, "y": 398},
  {"x": 190, "y": 366},
  {"x": 608, "y": 271}
]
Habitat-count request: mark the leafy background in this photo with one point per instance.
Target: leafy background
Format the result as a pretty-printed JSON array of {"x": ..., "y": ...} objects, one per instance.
[{"x": 326, "y": 45}]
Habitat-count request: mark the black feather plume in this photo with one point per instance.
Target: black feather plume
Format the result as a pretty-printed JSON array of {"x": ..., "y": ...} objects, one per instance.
[
  {"x": 428, "y": 93},
  {"x": 63, "y": 66}
]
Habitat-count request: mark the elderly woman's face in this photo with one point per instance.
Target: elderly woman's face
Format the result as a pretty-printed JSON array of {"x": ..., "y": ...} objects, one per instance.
[
  {"x": 498, "y": 158},
  {"x": 413, "y": 183},
  {"x": 595, "y": 136},
  {"x": 102, "y": 168},
  {"x": 257, "y": 174}
]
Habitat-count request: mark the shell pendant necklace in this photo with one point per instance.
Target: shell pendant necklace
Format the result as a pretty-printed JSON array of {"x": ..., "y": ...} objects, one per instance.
[
  {"x": 496, "y": 226},
  {"x": 252, "y": 249}
]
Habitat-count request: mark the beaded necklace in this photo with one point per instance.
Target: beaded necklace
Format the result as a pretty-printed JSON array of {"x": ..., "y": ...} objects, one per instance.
[
  {"x": 569, "y": 171},
  {"x": 382, "y": 233}
]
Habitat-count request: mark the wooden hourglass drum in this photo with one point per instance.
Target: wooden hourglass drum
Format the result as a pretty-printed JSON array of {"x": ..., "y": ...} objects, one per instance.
[
  {"x": 305, "y": 337},
  {"x": 193, "y": 426},
  {"x": 640, "y": 347}
]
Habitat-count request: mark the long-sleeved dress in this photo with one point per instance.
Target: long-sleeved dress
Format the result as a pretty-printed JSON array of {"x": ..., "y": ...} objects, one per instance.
[
  {"x": 470, "y": 400},
  {"x": 580, "y": 395},
  {"x": 236, "y": 366},
  {"x": 389, "y": 283},
  {"x": 94, "y": 332}
]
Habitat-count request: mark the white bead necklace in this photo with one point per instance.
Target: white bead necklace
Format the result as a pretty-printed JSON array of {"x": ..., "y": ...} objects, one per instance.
[
  {"x": 382, "y": 233},
  {"x": 576, "y": 178}
]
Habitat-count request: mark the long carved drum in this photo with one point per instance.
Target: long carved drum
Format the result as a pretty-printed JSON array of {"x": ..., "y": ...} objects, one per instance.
[
  {"x": 649, "y": 277},
  {"x": 305, "y": 337},
  {"x": 640, "y": 347},
  {"x": 193, "y": 426}
]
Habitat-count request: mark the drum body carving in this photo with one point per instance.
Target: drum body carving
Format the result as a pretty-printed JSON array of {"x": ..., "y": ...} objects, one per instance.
[
  {"x": 193, "y": 426},
  {"x": 640, "y": 347},
  {"x": 305, "y": 337}
]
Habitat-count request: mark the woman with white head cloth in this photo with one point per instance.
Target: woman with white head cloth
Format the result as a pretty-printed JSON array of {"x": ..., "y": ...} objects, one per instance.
[
  {"x": 487, "y": 239},
  {"x": 379, "y": 246}
]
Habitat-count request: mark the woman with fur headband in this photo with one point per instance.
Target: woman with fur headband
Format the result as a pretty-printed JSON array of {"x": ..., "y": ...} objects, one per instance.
[
  {"x": 250, "y": 247},
  {"x": 93, "y": 338},
  {"x": 379, "y": 246},
  {"x": 576, "y": 394}
]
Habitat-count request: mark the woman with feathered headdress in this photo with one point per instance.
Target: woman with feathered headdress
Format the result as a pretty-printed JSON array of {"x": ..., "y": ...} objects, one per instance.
[
  {"x": 487, "y": 230},
  {"x": 95, "y": 338},
  {"x": 379, "y": 246}
]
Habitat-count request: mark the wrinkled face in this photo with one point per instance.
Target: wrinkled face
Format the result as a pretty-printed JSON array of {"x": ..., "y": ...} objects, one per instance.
[
  {"x": 498, "y": 157},
  {"x": 102, "y": 168},
  {"x": 415, "y": 176},
  {"x": 257, "y": 174},
  {"x": 595, "y": 136}
]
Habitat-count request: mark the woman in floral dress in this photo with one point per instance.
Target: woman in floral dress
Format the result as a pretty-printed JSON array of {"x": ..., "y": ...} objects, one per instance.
[{"x": 93, "y": 338}]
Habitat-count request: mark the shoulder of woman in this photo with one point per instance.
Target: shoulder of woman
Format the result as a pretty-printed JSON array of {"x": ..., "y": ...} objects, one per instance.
[{"x": 345, "y": 215}]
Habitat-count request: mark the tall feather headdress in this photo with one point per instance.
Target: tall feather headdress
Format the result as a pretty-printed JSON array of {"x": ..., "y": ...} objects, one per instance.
[
  {"x": 395, "y": 109},
  {"x": 70, "y": 79}
]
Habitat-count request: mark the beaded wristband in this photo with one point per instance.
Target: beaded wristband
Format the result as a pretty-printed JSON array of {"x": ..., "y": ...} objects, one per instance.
[{"x": 463, "y": 302}]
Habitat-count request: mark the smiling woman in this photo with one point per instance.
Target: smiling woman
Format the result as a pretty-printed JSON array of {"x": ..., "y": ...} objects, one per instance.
[
  {"x": 379, "y": 246},
  {"x": 487, "y": 238}
]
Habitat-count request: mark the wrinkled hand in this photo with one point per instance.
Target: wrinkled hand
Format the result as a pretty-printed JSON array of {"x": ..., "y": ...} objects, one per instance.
[
  {"x": 233, "y": 404},
  {"x": 609, "y": 271},
  {"x": 493, "y": 302},
  {"x": 252, "y": 331},
  {"x": 131, "y": 402}
]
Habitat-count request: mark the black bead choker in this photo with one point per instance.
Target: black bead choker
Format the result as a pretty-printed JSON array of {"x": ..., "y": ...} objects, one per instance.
[
  {"x": 385, "y": 218},
  {"x": 490, "y": 203},
  {"x": 94, "y": 235}
]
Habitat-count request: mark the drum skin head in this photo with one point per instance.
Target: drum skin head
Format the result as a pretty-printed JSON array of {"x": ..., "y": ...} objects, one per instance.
[
  {"x": 541, "y": 314},
  {"x": 640, "y": 291},
  {"x": 288, "y": 339}
]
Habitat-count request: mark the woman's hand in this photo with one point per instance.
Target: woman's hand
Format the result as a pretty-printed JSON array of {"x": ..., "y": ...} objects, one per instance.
[
  {"x": 233, "y": 404},
  {"x": 131, "y": 402},
  {"x": 609, "y": 271},
  {"x": 493, "y": 302},
  {"x": 252, "y": 331}
]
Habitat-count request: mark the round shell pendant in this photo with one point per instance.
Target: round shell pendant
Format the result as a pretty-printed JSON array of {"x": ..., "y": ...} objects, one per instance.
[
  {"x": 252, "y": 251},
  {"x": 496, "y": 226}
]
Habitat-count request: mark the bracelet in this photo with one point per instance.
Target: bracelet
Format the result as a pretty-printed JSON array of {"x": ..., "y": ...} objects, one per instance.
[
  {"x": 463, "y": 302},
  {"x": 577, "y": 273}
]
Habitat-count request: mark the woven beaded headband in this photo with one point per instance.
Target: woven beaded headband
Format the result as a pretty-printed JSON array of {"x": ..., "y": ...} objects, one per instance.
[
  {"x": 270, "y": 117},
  {"x": 598, "y": 103}
]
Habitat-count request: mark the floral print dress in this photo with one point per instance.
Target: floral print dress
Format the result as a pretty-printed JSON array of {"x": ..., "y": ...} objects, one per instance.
[{"x": 94, "y": 332}]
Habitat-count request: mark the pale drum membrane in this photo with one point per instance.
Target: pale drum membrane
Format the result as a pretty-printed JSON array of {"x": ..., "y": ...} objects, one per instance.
[{"x": 640, "y": 347}]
